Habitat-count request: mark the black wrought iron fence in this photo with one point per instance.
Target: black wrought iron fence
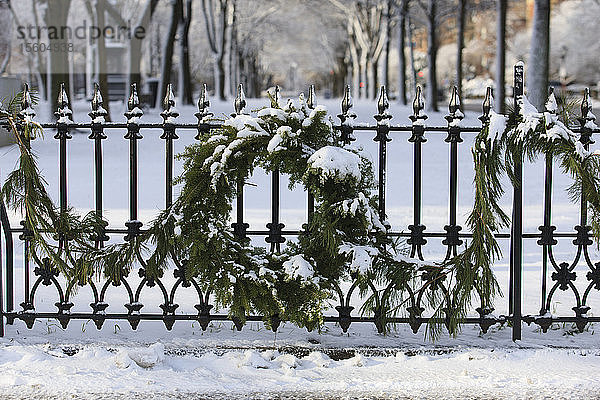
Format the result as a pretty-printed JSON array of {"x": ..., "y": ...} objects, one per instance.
[{"x": 417, "y": 236}]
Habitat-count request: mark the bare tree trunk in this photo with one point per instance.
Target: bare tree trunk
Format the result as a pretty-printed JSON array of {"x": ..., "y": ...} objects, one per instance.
[
  {"x": 227, "y": 9},
  {"x": 375, "y": 82},
  {"x": 135, "y": 44},
  {"x": 39, "y": 62},
  {"x": 460, "y": 44},
  {"x": 431, "y": 57},
  {"x": 370, "y": 78},
  {"x": 388, "y": 41},
  {"x": 186, "y": 87},
  {"x": 413, "y": 69},
  {"x": 501, "y": 8},
  {"x": 355, "y": 66},
  {"x": 401, "y": 54},
  {"x": 169, "y": 45},
  {"x": 233, "y": 52},
  {"x": 101, "y": 53},
  {"x": 364, "y": 81},
  {"x": 58, "y": 63},
  {"x": 6, "y": 36},
  {"x": 537, "y": 78}
]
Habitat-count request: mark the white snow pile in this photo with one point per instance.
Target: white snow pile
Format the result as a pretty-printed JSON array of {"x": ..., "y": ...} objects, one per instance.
[
  {"x": 283, "y": 136},
  {"x": 336, "y": 163},
  {"x": 277, "y": 113},
  {"x": 145, "y": 357},
  {"x": 362, "y": 256},
  {"x": 531, "y": 117},
  {"x": 297, "y": 266},
  {"x": 246, "y": 126},
  {"x": 31, "y": 371},
  {"x": 497, "y": 126}
]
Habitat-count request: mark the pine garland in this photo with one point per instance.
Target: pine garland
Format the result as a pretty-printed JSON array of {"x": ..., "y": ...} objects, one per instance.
[{"x": 345, "y": 239}]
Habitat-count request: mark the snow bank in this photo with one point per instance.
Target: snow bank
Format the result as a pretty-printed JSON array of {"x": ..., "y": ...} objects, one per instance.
[{"x": 33, "y": 371}]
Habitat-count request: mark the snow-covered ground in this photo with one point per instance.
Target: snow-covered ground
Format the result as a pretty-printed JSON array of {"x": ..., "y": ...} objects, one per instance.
[{"x": 36, "y": 362}]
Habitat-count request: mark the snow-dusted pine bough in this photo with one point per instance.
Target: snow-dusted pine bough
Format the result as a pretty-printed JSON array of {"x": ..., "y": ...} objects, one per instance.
[{"x": 346, "y": 242}]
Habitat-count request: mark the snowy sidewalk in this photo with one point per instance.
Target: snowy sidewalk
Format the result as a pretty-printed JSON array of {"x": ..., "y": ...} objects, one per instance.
[
  {"x": 187, "y": 363},
  {"x": 32, "y": 371}
]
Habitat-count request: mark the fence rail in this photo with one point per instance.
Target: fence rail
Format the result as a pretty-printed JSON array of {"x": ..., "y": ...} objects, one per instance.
[{"x": 417, "y": 235}]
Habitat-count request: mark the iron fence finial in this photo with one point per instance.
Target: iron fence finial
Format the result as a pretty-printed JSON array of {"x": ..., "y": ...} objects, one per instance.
[
  {"x": 454, "y": 104},
  {"x": 134, "y": 112},
  {"x": 275, "y": 100},
  {"x": 346, "y": 101},
  {"x": 63, "y": 113},
  {"x": 586, "y": 105},
  {"x": 311, "y": 102},
  {"x": 203, "y": 105},
  {"x": 240, "y": 100},
  {"x": 169, "y": 100},
  {"x": 134, "y": 100},
  {"x": 63, "y": 98},
  {"x": 26, "y": 99},
  {"x": 170, "y": 112},
  {"x": 488, "y": 103},
  {"x": 97, "y": 100},
  {"x": 203, "y": 102},
  {"x": 383, "y": 103},
  {"x": 418, "y": 105}
]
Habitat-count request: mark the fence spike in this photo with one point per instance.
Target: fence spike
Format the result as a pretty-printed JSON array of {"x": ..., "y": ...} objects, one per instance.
[
  {"x": 383, "y": 103},
  {"x": 312, "y": 102},
  {"x": 134, "y": 100},
  {"x": 346, "y": 101},
  {"x": 170, "y": 112},
  {"x": 418, "y": 103},
  {"x": 26, "y": 99},
  {"x": 97, "y": 100},
  {"x": 240, "y": 100},
  {"x": 586, "y": 105},
  {"x": 26, "y": 112},
  {"x": 63, "y": 113},
  {"x": 203, "y": 106},
  {"x": 551, "y": 104},
  {"x": 454, "y": 104},
  {"x": 134, "y": 113},
  {"x": 169, "y": 100},
  {"x": 275, "y": 101},
  {"x": 455, "y": 116},
  {"x": 203, "y": 102},
  {"x": 63, "y": 98},
  {"x": 488, "y": 102}
]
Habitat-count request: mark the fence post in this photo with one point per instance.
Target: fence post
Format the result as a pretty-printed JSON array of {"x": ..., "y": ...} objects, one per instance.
[{"x": 517, "y": 222}]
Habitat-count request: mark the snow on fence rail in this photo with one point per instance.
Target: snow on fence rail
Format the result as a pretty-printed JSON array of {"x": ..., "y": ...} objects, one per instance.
[{"x": 417, "y": 235}]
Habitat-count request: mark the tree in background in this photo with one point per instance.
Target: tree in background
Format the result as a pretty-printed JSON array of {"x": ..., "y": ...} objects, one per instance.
[
  {"x": 460, "y": 43},
  {"x": 5, "y": 35},
  {"x": 367, "y": 32},
  {"x": 435, "y": 12},
  {"x": 218, "y": 19},
  {"x": 538, "y": 63},
  {"x": 501, "y": 9},
  {"x": 401, "y": 8},
  {"x": 135, "y": 43},
  {"x": 168, "y": 50},
  {"x": 185, "y": 79},
  {"x": 56, "y": 14}
]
